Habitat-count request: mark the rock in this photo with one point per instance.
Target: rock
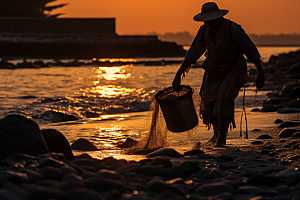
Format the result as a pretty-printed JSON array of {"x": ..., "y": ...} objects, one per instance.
[
  {"x": 287, "y": 88},
  {"x": 158, "y": 186},
  {"x": 271, "y": 108},
  {"x": 51, "y": 173},
  {"x": 165, "y": 152},
  {"x": 288, "y": 110},
  {"x": 273, "y": 100},
  {"x": 211, "y": 189},
  {"x": 256, "y": 130},
  {"x": 11, "y": 176},
  {"x": 128, "y": 143},
  {"x": 51, "y": 162},
  {"x": 111, "y": 161},
  {"x": 259, "y": 179},
  {"x": 284, "y": 162},
  {"x": 54, "y": 116},
  {"x": 83, "y": 145},
  {"x": 72, "y": 177},
  {"x": 22, "y": 135},
  {"x": 57, "y": 142},
  {"x": 41, "y": 192},
  {"x": 265, "y": 151},
  {"x": 277, "y": 121},
  {"x": 179, "y": 172},
  {"x": 133, "y": 167},
  {"x": 294, "y": 69},
  {"x": 105, "y": 184},
  {"x": 193, "y": 152},
  {"x": 114, "y": 175},
  {"x": 295, "y": 93},
  {"x": 296, "y": 134},
  {"x": 82, "y": 193},
  {"x": 156, "y": 171},
  {"x": 162, "y": 161},
  {"x": 265, "y": 136},
  {"x": 288, "y": 124},
  {"x": 287, "y": 132},
  {"x": 143, "y": 152},
  {"x": 257, "y": 142},
  {"x": 255, "y": 110},
  {"x": 289, "y": 176},
  {"x": 294, "y": 104}
]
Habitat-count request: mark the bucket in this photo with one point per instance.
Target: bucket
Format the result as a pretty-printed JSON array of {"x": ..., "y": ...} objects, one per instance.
[{"x": 178, "y": 108}]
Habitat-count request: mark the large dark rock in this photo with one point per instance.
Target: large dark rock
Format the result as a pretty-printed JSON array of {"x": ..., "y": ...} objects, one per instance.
[
  {"x": 271, "y": 107},
  {"x": 287, "y": 132},
  {"x": 294, "y": 104},
  {"x": 57, "y": 142},
  {"x": 287, "y": 88},
  {"x": 22, "y": 135},
  {"x": 295, "y": 93},
  {"x": 288, "y": 110},
  {"x": 84, "y": 145},
  {"x": 294, "y": 69},
  {"x": 288, "y": 124}
]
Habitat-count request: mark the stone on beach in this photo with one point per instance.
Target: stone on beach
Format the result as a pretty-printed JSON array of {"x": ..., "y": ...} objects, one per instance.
[
  {"x": 288, "y": 124},
  {"x": 264, "y": 136},
  {"x": 287, "y": 132},
  {"x": 57, "y": 142},
  {"x": 19, "y": 134},
  {"x": 84, "y": 145},
  {"x": 165, "y": 152},
  {"x": 288, "y": 110}
]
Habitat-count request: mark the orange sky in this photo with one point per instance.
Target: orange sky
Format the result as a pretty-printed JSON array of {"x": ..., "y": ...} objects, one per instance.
[{"x": 160, "y": 16}]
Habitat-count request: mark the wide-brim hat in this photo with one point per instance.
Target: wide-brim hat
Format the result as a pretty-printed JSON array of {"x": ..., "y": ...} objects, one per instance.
[{"x": 209, "y": 12}]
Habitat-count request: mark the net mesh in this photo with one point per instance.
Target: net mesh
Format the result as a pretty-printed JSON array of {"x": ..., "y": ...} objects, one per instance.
[{"x": 157, "y": 135}]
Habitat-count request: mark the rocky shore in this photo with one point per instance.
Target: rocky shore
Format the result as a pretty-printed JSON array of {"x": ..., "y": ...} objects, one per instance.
[{"x": 39, "y": 164}]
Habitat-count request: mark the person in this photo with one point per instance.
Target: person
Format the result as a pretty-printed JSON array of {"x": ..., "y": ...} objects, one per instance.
[{"x": 224, "y": 43}]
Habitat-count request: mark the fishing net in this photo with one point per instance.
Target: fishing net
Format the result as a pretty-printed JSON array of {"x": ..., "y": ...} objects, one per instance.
[{"x": 171, "y": 112}]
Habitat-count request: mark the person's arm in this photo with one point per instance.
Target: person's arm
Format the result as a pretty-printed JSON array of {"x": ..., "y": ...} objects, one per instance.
[
  {"x": 194, "y": 53},
  {"x": 247, "y": 47},
  {"x": 177, "y": 80},
  {"x": 260, "y": 79}
]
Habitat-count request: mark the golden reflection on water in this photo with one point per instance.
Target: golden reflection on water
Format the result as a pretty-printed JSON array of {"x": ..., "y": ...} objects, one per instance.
[{"x": 112, "y": 73}]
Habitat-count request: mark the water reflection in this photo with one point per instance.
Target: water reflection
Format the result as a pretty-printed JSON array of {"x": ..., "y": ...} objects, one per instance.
[{"x": 112, "y": 73}]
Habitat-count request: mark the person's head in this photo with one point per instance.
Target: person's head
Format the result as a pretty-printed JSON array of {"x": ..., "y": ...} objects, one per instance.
[
  {"x": 210, "y": 14},
  {"x": 214, "y": 24}
]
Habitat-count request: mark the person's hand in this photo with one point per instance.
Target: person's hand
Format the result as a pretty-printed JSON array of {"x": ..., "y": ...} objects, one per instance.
[
  {"x": 260, "y": 80},
  {"x": 176, "y": 83}
]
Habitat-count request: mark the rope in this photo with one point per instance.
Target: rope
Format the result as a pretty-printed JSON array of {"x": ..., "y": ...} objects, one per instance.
[{"x": 244, "y": 111}]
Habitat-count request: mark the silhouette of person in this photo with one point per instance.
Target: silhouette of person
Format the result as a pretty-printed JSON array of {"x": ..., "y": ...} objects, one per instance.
[{"x": 224, "y": 43}]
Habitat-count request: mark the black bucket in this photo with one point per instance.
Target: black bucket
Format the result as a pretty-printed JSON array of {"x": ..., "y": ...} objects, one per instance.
[{"x": 178, "y": 108}]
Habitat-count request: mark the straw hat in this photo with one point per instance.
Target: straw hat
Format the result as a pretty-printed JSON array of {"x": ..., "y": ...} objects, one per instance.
[{"x": 209, "y": 12}]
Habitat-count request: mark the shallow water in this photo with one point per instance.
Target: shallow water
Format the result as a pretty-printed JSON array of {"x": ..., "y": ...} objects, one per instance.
[{"x": 112, "y": 103}]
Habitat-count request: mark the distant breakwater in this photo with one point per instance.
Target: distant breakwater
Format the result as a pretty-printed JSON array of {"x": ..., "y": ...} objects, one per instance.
[{"x": 86, "y": 47}]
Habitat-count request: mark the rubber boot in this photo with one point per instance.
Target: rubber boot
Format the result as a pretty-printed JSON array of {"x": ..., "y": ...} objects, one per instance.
[{"x": 222, "y": 132}]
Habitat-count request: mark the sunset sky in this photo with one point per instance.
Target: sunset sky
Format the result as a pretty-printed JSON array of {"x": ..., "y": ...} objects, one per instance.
[{"x": 161, "y": 16}]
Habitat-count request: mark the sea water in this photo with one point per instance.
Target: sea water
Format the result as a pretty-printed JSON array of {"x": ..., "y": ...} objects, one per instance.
[{"x": 112, "y": 102}]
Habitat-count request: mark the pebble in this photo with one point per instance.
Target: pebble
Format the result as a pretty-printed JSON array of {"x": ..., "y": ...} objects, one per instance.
[{"x": 265, "y": 136}]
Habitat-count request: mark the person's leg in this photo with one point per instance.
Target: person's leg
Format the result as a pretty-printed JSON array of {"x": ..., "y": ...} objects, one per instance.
[
  {"x": 222, "y": 132},
  {"x": 215, "y": 124}
]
